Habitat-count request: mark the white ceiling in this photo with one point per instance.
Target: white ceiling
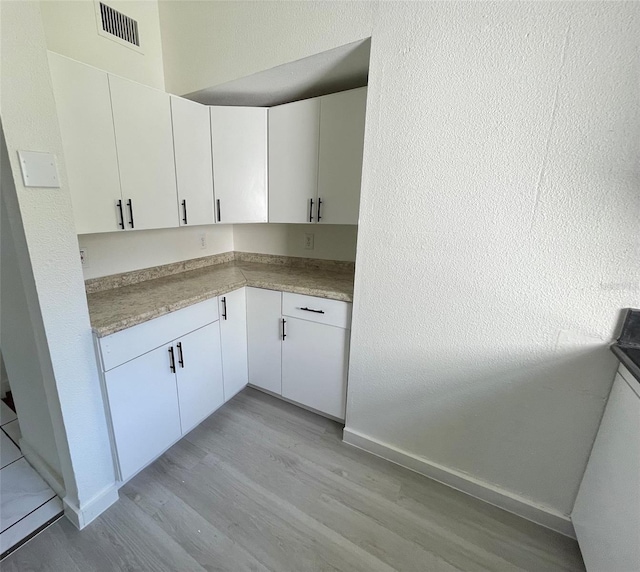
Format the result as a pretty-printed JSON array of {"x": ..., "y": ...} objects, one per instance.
[{"x": 342, "y": 68}]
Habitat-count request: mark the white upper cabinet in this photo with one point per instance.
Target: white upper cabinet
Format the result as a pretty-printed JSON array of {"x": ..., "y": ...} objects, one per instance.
[
  {"x": 239, "y": 136},
  {"x": 144, "y": 141},
  {"x": 293, "y": 161},
  {"x": 342, "y": 119},
  {"x": 194, "y": 174},
  {"x": 86, "y": 124}
]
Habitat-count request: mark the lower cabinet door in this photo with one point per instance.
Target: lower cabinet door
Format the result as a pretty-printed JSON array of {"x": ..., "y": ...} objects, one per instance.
[
  {"x": 144, "y": 409},
  {"x": 199, "y": 373},
  {"x": 233, "y": 334},
  {"x": 264, "y": 338},
  {"x": 314, "y": 366}
]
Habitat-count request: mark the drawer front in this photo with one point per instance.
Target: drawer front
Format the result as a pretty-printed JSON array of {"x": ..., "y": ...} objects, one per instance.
[
  {"x": 123, "y": 346},
  {"x": 320, "y": 310}
]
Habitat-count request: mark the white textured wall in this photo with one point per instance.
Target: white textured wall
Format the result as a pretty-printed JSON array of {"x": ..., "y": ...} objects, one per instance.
[
  {"x": 331, "y": 242},
  {"x": 57, "y": 301},
  {"x": 20, "y": 344},
  {"x": 117, "y": 252},
  {"x": 499, "y": 221},
  {"x": 71, "y": 29}
]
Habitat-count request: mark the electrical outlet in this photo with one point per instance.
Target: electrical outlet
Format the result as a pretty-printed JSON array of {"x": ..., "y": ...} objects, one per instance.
[
  {"x": 308, "y": 241},
  {"x": 203, "y": 240},
  {"x": 83, "y": 257}
]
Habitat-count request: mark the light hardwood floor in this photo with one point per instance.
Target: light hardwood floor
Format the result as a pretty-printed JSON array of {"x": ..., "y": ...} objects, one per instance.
[{"x": 263, "y": 485}]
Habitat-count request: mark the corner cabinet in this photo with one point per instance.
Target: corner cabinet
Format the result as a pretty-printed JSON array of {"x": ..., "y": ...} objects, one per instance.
[
  {"x": 264, "y": 339},
  {"x": 342, "y": 121},
  {"x": 239, "y": 137},
  {"x": 315, "y": 159},
  {"x": 233, "y": 333},
  {"x": 299, "y": 348}
]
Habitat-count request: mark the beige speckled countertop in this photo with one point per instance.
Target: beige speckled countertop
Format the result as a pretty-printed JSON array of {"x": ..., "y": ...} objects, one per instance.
[{"x": 115, "y": 309}]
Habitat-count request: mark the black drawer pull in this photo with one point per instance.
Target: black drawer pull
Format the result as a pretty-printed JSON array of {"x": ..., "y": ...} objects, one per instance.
[
  {"x": 184, "y": 206},
  {"x": 284, "y": 333},
  {"x": 121, "y": 223},
  {"x": 319, "y": 205},
  {"x": 224, "y": 307},
  {"x": 312, "y": 310},
  {"x": 218, "y": 205},
  {"x": 130, "y": 205},
  {"x": 311, "y": 211},
  {"x": 181, "y": 356},
  {"x": 172, "y": 360}
]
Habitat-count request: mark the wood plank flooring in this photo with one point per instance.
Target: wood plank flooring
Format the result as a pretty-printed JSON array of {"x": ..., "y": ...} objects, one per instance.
[{"x": 263, "y": 485}]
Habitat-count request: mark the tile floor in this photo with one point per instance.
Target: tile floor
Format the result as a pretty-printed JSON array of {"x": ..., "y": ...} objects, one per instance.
[{"x": 27, "y": 503}]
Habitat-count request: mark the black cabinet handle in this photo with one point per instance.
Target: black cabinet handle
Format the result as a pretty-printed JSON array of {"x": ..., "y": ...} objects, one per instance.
[
  {"x": 130, "y": 205},
  {"x": 172, "y": 360},
  {"x": 319, "y": 205},
  {"x": 311, "y": 211},
  {"x": 180, "y": 356},
  {"x": 224, "y": 307},
  {"x": 312, "y": 310},
  {"x": 218, "y": 205},
  {"x": 184, "y": 206},
  {"x": 284, "y": 334},
  {"x": 121, "y": 223}
]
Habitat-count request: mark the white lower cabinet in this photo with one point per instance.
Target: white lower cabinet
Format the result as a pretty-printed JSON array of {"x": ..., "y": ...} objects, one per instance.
[
  {"x": 143, "y": 403},
  {"x": 198, "y": 366},
  {"x": 314, "y": 366},
  {"x": 264, "y": 338},
  {"x": 606, "y": 514},
  {"x": 299, "y": 348},
  {"x": 162, "y": 378},
  {"x": 233, "y": 334}
]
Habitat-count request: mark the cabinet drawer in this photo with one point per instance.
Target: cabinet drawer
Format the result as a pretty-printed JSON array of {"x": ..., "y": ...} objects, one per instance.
[
  {"x": 321, "y": 310},
  {"x": 123, "y": 346}
]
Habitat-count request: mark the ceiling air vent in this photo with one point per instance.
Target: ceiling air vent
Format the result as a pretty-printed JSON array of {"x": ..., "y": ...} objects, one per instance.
[{"x": 117, "y": 24}]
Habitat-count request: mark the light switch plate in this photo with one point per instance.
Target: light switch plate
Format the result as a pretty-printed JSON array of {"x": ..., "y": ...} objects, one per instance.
[{"x": 38, "y": 169}]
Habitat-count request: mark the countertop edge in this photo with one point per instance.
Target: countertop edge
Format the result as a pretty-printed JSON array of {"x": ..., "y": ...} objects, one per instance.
[
  {"x": 632, "y": 367},
  {"x": 113, "y": 328}
]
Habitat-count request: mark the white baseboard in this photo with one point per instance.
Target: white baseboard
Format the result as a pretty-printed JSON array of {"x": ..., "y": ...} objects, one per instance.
[
  {"x": 81, "y": 517},
  {"x": 42, "y": 468},
  {"x": 486, "y": 492}
]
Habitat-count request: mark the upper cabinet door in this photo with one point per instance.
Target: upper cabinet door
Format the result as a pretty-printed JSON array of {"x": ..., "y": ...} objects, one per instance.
[
  {"x": 144, "y": 140},
  {"x": 293, "y": 161},
  {"x": 192, "y": 147},
  {"x": 342, "y": 118},
  {"x": 86, "y": 125},
  {"x": 239, "y": 136}
]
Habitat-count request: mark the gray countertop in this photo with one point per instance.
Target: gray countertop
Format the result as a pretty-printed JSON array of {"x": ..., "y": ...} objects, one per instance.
[{"x": 118, "y": 308}]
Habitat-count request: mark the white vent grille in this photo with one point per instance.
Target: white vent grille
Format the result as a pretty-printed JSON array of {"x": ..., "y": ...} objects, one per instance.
[{"x": 119, "y": 25}]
